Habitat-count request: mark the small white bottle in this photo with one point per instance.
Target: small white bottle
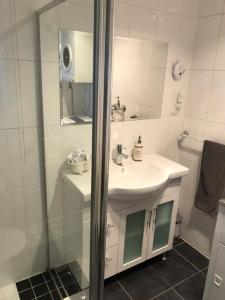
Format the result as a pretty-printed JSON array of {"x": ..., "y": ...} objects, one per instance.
[{"x": 138, "y": 150}]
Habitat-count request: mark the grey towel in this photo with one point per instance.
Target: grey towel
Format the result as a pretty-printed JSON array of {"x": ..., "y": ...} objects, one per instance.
[{"x": 212, "y": 178}]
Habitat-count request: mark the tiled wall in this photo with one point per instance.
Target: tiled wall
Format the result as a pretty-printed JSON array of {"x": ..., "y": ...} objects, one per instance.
[
  {"x": 174, "y": 22},
  {"x": 204, "y": 113},
  {"x": 22, "y": 230}
]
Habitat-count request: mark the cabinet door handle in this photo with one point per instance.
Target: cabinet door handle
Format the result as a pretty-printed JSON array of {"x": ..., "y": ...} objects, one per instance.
[
  {"x": 154, "y": 219},
  {"x": 217, "y": 280},
  {"x": 109, "y": 226},
  {"x": 108, "y": 259},
  {"x": 149, "y": 218}
]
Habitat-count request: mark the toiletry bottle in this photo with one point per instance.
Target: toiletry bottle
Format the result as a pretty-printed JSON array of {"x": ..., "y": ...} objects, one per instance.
[{"x": 138, "y": 150}]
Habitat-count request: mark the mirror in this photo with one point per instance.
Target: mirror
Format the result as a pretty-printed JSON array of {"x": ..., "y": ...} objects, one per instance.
[
  {"x": 76, "y": 76},
  {"x": 139, "y": 68},
  {"x": 138, "y": 78}
]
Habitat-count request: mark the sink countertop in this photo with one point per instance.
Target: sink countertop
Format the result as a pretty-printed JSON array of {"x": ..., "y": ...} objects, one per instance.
[{"x": 82, "y": 183}]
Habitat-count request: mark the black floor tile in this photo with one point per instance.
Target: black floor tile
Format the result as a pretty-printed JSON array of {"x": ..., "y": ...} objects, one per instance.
[
  {"x": 174, "y": 269},
  {"x": 55, "y": 296},
  {"x": 193, "y": 288},
  {"x": 114, "y": 291},
  {"x": 67, "y": 279},
  {"x": 196, "y": 258},
  {"x": 41, "y": 289},
  {"x": 38, "y": 279},
  {"x": 142, "y": 283},
  {"x": 47, "y": 276},
  {"x": 205, "y": 271},
  {"x": 170, "y": 295},
  {"x": 177, "y": 241},
  {"x": 45, "y": 297},
  {"x": 51, "y": 286},
  {"x": 58, "y": 282},
  {"x": 62, "y": 292},
  {"x": 72, "y": 289},
  {"x": 27, "y": 295},
  {"x": 23, "y": 285}
]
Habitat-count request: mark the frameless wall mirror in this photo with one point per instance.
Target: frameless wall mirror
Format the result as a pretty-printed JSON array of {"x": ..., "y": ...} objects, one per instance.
[
  {"x": 76, "y": 76},
  {"x": 139, "y": 68}
]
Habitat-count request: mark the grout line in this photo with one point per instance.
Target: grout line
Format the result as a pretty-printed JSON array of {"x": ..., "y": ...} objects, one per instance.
[
  {"x": 123, "y": 288},
  {"x": 46, "y": 282},
  {"x": 186, "y": 279},
  {"x": 175, "y": 250},
  {"x": 32, "y": 288},
  {"x": 162, "y": 293},
  {"x": 178, "y": 294}
]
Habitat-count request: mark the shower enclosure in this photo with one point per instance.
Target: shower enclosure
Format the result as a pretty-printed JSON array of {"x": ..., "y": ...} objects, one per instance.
[{"x": 75, "y": 67}]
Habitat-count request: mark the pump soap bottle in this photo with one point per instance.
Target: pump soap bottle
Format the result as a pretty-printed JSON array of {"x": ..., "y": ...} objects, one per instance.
[{"x": 138, "y": 150}]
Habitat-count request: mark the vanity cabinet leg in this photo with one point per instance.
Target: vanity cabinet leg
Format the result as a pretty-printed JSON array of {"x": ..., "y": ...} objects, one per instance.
[{"x": 164, "y": 256}]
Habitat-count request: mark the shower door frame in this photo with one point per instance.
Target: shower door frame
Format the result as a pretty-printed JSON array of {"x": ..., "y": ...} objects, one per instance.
[{"x": 102, "y": 63}]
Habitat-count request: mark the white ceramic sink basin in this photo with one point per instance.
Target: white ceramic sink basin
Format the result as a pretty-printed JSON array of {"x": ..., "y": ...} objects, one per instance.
[{"x": 135, "y": 180}]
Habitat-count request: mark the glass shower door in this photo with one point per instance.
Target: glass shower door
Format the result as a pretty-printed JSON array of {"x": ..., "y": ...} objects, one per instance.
[{"x": 75, "y": 55}]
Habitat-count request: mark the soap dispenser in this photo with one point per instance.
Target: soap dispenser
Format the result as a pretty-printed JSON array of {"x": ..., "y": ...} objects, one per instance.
[{"x": 138, "y": 150}]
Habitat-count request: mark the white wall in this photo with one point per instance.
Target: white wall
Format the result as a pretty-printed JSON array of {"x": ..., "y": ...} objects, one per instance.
[
  {"x": 204, "y": 113},
  {"x": 22, "y": 230}
]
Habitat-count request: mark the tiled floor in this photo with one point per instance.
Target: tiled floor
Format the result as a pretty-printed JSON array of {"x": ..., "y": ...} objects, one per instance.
[
  {"x": 181, "y": 276},
  {"x": 41, "y": 287}
]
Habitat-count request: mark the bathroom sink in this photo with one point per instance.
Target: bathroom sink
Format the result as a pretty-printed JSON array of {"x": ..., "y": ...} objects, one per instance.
[{"x": 135, "y": 180}]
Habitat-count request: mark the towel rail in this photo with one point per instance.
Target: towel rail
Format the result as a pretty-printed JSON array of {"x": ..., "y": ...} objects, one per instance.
[{"x": 185, "y": 134}]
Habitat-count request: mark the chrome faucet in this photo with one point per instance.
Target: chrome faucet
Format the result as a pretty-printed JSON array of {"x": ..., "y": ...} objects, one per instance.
[{"x": 120, "y": 155}]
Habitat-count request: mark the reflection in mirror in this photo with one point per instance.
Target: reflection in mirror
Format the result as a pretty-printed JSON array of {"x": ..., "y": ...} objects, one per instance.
[
  {"x": 139, "y": 68},
  {"x": 76, "y": 76}
]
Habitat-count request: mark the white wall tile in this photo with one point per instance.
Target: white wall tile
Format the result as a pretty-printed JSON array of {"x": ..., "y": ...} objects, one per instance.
[
  {"x": 9, "y": 94},
  {"x": 51, "y": 93},
  {"x": 54, "y": 201},
  {"x": 216, "y": 107},
  {"x": 186, "y": 40},
  {"x": 77, "y": 16},
  {"x": 167, "y": 31},
  {"x": 26, "y": 27},
  {"x": 33, "y": 155},
  {"x": 122, "y": 14},
  {"x": 30, "y": 94},
  {"x": 190, "y": 8},
  {"x": 215, "y": 132},
  {"x": 11, "y": 159},
  {"x": 7, "y": 30},
  {"x": 49, "y": 35},
  {"x": 38, "y": 245},
  {"x": 206, "y": 42},
  {"x": 220, "y": 57},
  {"x": 198, "y": 93},
  {"x": 53, "y": 152},
  {"x": 18, "y": 256},
  {"x": 208, "y": 7},
  {"x": 35, "y": 203},
  {"x": 143, "y": 23},
  {"x": 13, "y": 224}
]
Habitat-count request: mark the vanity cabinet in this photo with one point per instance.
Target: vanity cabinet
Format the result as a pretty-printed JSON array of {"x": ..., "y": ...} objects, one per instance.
[{"x": 146, "y": 231}]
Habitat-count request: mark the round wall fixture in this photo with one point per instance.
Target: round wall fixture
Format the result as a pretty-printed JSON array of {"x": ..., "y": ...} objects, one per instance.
[
  {"x": 67, "y": 57},
  {"x": 178, "y": 70}
]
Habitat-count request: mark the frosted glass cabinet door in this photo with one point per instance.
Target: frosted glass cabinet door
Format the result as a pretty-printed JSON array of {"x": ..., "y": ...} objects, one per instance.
[
  {"x": 163, "y": 227},
  {"x": 135, "y": 226},
  {"x": 134, "y": 230}
]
